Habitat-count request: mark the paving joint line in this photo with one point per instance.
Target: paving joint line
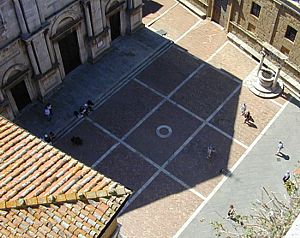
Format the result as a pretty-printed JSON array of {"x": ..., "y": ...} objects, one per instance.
[
  {"x": 169, "y": 100},
  {"x": 276, "y": 103},
  {"x": 234, "y": 167},
  {"x": 224, "y": 102},
  {"x": 227, "y": 135},
  {"x": 191, "y": 113},
  {"x": 160, "y": 16},
  {"x": 227, "y": 74},
  {"x": 217, "y": 51},
  {"x": 120, "y": 141},
  {"x": 189, "y": 30}
]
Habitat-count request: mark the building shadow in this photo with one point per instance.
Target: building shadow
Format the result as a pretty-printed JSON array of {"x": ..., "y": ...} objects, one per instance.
[{"x": 150, "y": 7}]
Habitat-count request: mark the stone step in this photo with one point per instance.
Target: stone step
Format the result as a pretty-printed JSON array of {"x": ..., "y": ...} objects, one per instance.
[{"x": 193, "y": 8}]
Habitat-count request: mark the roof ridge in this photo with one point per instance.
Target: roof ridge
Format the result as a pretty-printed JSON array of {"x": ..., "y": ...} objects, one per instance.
[{"x": 62, "y": 198}]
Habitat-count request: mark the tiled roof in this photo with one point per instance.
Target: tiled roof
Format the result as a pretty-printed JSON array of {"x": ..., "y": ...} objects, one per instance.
[{"x": 46, "y": 193}]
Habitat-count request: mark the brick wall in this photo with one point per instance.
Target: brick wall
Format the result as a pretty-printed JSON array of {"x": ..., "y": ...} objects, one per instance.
[{"x": 270, "y": 26}]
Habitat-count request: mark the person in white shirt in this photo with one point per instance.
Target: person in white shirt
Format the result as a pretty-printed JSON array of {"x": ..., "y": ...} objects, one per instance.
[{"x": 279, "y": 148}]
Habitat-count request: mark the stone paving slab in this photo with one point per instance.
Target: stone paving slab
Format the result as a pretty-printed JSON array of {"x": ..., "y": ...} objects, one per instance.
[
  {"x": 229, "y": 118},
  {"x": 172, "y": 22},
  {"x": 159, "y": 211},
  {"x": 169, "y": 70},
  {"x": 125, "y": 108},
  {"x": 93, "y": 146},
  {"x": 154, "y": 9},
  {"x": 200, "y": 46},
  {"x": 123, "y": 165},
  {"x": 205, "y": 91},
  {"x": 146, "y": 141},
  {"x": 234, "y": 61},
  {"x": 194, "y": 168}
]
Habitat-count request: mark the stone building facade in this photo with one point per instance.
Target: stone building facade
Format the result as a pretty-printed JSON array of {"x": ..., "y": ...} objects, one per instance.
[
  {"x": 41, "y": 41},
  {"x": 261, "y": 24}
]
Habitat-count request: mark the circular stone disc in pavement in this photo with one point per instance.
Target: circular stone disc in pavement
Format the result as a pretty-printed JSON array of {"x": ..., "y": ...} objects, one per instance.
[{"x": 163, "y": 131}]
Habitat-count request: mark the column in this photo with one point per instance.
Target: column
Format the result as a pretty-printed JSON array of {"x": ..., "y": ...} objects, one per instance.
[
  {"x": 276, "y": 77},
  {"x": 261, "y": 61},
  {"x": 230, "y": 11},
  {"x": 40, "y": 9},
  {"x": 32, "y": 58},
  {"x": 50, "y": 48},
  {"x": 210, "y": 8},
  {"x": 20, "y": 17},
  {"x": 88, "y": 20}
]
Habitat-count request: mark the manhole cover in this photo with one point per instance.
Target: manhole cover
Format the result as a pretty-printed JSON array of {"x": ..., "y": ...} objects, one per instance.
[{"x": 163, "y": 131}]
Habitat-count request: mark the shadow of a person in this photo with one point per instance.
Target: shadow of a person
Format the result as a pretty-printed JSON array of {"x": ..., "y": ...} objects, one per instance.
[
  {"x": 251, "y": 124},
  {"x": 284, "y": 156}
]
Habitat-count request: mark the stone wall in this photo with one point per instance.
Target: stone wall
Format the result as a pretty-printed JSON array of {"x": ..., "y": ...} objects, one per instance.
[
  {"x": 270, "y": 27},
  {"x": 30, "y": 36}
]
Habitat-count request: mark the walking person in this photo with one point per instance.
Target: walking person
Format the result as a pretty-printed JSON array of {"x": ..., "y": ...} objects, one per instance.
[
  {"x": 247, "y": 117},
  {"x": 231, "y": 214},
  {"x": 47, "y": 113},
  {"x": 279, "y": 148},
  {"x": 243, "y": 109},
  {"x": 49, "y": 106},
  {"x": 210, "y": 151},
  {"x": 286, "y": 176}
]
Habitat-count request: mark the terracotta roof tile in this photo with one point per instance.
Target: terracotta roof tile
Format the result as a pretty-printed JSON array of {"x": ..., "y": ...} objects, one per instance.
[{"x": 44, "y": 192}]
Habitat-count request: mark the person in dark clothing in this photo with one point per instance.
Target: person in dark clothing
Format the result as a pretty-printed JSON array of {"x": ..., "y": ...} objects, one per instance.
[
  {"x": 286, "y": 176},
  {"x": 76, "y": 140}
]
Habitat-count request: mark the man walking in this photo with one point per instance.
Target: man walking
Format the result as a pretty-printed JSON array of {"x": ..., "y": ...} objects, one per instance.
[
  {"x": 210, "y": 151},
  {"x": 243, "y": 109},
  {"x": 286, "y": 176},
  {"x": 279, "y": 148},
  {"x": 47, "y": 113}
]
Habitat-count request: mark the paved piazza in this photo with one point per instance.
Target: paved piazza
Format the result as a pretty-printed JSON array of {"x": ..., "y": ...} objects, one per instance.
[{"x": 152, "y": 132}]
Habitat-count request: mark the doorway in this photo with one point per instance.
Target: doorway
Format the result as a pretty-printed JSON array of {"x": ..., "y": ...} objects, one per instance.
[
  {"x": 219, "y": 12},
  {"x": 115, "y": 26},
  {"x": 20, "y": 95},
  {"x": 69, "y": 51}
]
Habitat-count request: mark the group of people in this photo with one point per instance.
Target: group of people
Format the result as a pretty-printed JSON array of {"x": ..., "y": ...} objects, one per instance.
[{"x": 84, "y": 110}]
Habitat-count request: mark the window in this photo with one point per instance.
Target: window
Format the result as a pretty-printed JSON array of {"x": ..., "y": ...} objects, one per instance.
[
  {"x": 255, "y": 9},
  {"x": 251, "y": 27},
  {"x": 285, "y": 50},
  {"x": 290, "y": 33}
]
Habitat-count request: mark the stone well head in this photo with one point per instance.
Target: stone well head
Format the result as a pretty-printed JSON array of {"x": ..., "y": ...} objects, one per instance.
[{"x": 266, "y": 77}]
